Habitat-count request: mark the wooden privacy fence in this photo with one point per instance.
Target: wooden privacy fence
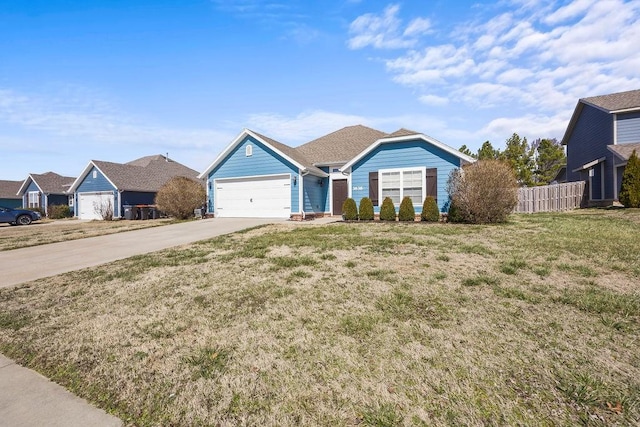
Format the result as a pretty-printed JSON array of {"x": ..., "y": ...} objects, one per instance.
[{"x": 551, "y": 198}]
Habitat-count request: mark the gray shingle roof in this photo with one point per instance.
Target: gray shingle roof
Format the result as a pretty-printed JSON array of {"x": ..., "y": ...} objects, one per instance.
[
  {"x": 624, "y": 150},
  {"x": 402, "y": 132},
  {"x": 616, "y": 101},
  {"x": 52, "y": 183},
  {"x": 340, "y": 146},
  {"x": 9, "y": 189},
  {"x": 147, "y": 174}
]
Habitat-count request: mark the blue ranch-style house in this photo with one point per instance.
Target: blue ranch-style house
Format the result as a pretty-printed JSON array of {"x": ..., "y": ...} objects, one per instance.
[
  {"x": 39, "y": 191},
  {"x": 107, "y": 186},
  {"x": 256, "y": 176},
  {"x": 601, "y": 135}
]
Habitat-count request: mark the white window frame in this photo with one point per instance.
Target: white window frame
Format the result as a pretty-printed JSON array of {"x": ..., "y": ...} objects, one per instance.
[
  {"x": 33, "y": 195},
  {"x": 248, "y": 150},
  {"x": 423, "y": 172}
]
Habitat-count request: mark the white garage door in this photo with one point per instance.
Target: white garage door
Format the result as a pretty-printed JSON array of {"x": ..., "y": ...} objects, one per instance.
[
  {"x": 261, "y": 197},
  {"x": 92, "y": 205}
]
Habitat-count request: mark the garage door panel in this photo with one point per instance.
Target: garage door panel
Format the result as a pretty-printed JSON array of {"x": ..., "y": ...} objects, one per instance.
[
  {"x": 264, "y": 197},
  {"x": 89, "y": 203}
]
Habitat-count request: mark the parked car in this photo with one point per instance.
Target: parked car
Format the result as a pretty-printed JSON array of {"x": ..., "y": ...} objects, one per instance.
[{"x": 18, "y": 216}]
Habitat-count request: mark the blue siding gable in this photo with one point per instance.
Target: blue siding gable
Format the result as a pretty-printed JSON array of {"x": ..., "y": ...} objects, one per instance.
[
  {"x": 90, "y": 184},
  {"x": 416, "y": 153},
  {"x": 33, "y": 187},
  {"x": 262, "y": 161},
  {"x": 99, "y": 183},
  {"x": 628, "y": 128}
]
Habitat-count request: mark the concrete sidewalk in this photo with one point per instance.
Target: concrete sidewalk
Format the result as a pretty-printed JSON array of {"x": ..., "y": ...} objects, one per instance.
[{"x": 27, "y": 399}]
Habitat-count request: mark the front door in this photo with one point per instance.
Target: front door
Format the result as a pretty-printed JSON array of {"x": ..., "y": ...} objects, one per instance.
[{"x": 339, "y": 192}]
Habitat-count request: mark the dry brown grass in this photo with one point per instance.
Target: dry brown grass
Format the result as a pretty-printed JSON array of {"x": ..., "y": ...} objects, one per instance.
[
  {"x": 535, "y": 322},
  {"x": 52, "y": 231}
]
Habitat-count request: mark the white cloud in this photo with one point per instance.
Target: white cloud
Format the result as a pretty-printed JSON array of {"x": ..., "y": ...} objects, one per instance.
[
  {"x": 531, "y": 126},
  {"x": 434, "y": 100},
  {"x": 519, "y": 60},
  {"x": 569, "y": 11},
  {"x": 417, "y": 27},
  {"x": 384, "y": 31},
  {"x": 77, "y": 114}
]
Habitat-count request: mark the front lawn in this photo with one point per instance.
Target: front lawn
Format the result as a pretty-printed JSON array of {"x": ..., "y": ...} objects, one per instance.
[{"x": 536, "y": 322}]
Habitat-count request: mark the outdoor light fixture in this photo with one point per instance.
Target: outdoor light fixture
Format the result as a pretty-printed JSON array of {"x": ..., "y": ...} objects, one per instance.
[{"x": 295, "y": 180}]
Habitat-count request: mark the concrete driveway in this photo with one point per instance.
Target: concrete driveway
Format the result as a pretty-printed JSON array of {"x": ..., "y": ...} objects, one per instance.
[{"x": 37, "y": 262}]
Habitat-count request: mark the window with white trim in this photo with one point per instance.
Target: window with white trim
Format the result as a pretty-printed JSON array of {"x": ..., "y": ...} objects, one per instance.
[
  {"x": 401, "y": 183},
  {"x": 248, "y": 151},
  {"x": 34, "y": 199}
]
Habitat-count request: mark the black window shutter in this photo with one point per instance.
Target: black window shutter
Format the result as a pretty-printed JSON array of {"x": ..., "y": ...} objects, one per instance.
[
  {"x": 373, "y": 187},
  {"x": 432, "y": 183}
]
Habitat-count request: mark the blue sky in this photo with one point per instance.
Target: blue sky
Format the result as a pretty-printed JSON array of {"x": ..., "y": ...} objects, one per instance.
[{"x": 121, "y": 79}]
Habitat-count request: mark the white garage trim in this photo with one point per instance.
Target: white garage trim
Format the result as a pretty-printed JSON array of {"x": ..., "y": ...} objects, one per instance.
[
  {"x": 89, "y": 202},
  {"x": 265, "y": 196}
]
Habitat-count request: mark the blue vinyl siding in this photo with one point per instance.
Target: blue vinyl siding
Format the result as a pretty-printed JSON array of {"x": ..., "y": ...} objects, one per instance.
[
  {"x": 592, "y": 133},
  {"x": 263, "y": 161},
  {"x": 137, "y": 198},
  {"x": 33, "y": 187},
  {"x": 628, "y": 128},
  {"x": 315, "y": 194},
  {"x": 408, "y": 154},
  {"x": 11, "y": 203},
  {"x": 58, "y": 199},
  {"x": 90, "y": 184}
]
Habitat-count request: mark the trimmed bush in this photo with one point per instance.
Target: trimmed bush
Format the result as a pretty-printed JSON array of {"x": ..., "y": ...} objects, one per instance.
[
  {"x": 180, "y": 196},
  {"x": 366, "y": 209},
  {"x": 430, "y": 210},
  {"x": 387, "y": 210},
  {"x": 486, "y": 192},
  {"x": 630, "y": 191},
  {"x": 349, "y": 210},
  {"x": 454, "y": 214},
  {"x": 59, "y": 211},
  {"x": 407, "y": 211}
]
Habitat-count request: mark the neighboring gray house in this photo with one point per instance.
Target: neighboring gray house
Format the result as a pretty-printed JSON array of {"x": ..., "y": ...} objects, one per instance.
[
  {"x": 107, "y": 184},
  {"x": 9, "y": 194},
  {"x": 256, "y": 176},
  {"x": 39, "y": 191},
  {"x": 602, "y": 134}
]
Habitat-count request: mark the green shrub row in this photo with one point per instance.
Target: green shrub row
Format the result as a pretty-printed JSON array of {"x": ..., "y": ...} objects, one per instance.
[
  {"x": 59, "y": 211},
  {"x": 351, "y": 212}
]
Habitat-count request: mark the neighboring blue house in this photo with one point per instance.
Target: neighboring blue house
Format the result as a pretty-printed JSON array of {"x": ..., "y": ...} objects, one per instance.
[
  {"x": 602, "y": 134},
  {"x": 39, "y": 191},
  {"x": 9, "y": 194},
  {"x": 105, "y": 187},
  {"x": 256, "y": 176}
]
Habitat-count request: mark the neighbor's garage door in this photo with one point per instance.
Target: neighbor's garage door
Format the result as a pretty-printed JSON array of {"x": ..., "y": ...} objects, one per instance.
[
  {"x": 91, "y": 205},
  {"x": 262, "y": 197}
]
